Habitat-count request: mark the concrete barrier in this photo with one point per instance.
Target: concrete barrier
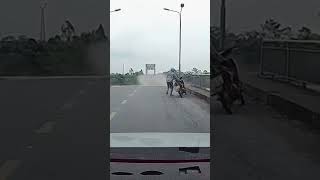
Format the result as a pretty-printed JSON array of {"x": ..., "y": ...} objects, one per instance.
[
  {"x": 202, "y": 94},
  {"x": 291, "y": 109}
]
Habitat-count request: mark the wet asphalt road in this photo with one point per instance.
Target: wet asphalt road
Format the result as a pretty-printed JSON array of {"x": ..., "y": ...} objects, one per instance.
[
  {"x": 53, "y": 129},
  {"x": 257, "y": 142},
  {"x": 148, "y": 109},
  {"x": 49, "y": 130}
]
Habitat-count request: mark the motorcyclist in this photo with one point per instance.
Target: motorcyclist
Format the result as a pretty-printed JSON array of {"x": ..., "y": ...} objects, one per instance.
[
  {"x": 171, "y": 76},
  {"x": 223, "y": 62}
]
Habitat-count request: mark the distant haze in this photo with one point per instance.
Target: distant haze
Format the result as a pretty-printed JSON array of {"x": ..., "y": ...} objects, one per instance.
[{"x": 155, "y": 80}]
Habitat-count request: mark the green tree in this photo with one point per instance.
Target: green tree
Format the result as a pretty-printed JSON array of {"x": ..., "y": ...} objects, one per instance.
[
  {"x": 315, "y": 36},
  {"x": 131, "y": 71},
  {"x": 8, "y": 38},
  {"x": 286, "y": 33},
  {"x": 304, "y": 33},
  {"x": 100, "y": 33},
  {"x": 195, "y": 70},
  {"x": 22, "y": 38},
  {"x": 141, "y": 72},
  {"x": 215, "y": 35},
  {"x": 270, "y": 29},
  {"x": 67, "y": 30}
]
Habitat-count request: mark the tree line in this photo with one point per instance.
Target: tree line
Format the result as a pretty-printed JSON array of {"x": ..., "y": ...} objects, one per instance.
[
  {"x": 63, "y": 53},
  {"x": 130, "y": 78},
  {"x": 66, "y": 39},
  {"x": 270, "y": 29}
]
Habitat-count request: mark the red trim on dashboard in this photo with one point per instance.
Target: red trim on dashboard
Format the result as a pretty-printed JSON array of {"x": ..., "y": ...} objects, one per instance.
[{"x": 158, "y": 161}]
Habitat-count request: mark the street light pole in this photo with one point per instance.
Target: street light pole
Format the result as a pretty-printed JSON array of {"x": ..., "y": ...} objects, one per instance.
[
  {"x": 111, "y": 13},
  {"x": 42, "y": 21},
  {"x": 115, "y": 10},
  {"x": 223, "y": 23},
  {"x": 181, "y": 6}
]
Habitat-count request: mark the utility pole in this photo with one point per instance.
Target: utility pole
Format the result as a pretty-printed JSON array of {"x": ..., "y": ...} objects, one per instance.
[
  {"x": 180, "y": 14},
  {"x": 223, "y": 23},
  {"x": 123, "y": 69},
  {"x": 42, "y": 21},
  {"x": 181, "y": 5}
]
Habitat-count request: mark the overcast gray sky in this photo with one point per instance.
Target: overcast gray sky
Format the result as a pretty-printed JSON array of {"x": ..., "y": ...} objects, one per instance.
[
  {"x": 23, "y": 16},
  {"x": 245, "y": 15},
  {"x": 144, "y": 33}
]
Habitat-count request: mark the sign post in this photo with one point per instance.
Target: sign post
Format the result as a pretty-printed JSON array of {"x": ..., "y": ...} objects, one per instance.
[{"x": 151, "y": 67}]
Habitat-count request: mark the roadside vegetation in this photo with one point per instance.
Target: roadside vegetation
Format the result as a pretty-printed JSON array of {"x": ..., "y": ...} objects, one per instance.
[
  {"x": 270, "y": 29},
  {"x": 248, "y": 42},
  {"x": 130, "y": 78},
  {"x": 64, "y": 54}
]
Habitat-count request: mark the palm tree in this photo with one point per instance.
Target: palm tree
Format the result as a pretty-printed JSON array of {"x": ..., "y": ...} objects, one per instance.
[{"x": 67, "y": 30}]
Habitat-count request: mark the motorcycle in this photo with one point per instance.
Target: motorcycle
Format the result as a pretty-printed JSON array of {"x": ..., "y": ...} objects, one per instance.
[
  {"x": 179, "y": 87},
  {"x": 226, "y": 83}
]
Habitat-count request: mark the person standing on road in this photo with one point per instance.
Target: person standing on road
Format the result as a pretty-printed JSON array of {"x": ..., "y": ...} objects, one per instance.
[{"x": 170, "y": 77}]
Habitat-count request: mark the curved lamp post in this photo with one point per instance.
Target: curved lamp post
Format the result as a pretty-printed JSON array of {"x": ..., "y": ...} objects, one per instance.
[{"x": 181, "y": 6}]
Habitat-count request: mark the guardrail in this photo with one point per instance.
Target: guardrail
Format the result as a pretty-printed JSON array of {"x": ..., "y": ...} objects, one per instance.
[
  {"x": 291, "y": 60},
  {"x": 200, "y": 81}
]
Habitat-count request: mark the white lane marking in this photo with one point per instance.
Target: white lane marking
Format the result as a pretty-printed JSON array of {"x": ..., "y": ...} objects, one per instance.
[
  {"x": 115, "y": 86},
  {"x": 149, "y": 139},
  {"x": 112, "y": 115},
  {"x": 133, "y": 93},
  {"x": 124, "y": 101},
  {"x": 46, "y": 127},
  {"x": 8, "y": 168},
  {"x": 152, "y": 85}
]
